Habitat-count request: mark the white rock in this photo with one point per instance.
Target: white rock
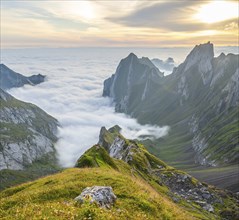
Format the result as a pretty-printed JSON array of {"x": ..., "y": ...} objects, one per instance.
[{"x": 102, "y": 195}]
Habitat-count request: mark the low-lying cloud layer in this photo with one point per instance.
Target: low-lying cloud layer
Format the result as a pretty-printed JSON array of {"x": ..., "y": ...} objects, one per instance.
[{"x": 72, "y": 94}]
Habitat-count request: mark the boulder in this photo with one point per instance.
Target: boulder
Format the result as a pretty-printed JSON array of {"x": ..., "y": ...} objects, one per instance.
[{"x": 103, "y": 196}]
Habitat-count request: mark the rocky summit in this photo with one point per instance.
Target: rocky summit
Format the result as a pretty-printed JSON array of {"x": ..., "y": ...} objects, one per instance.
[
  {"x": 10, "y": 79},
  {"x": 132, "y": 72},
  {"x": 199, "y": 101}
]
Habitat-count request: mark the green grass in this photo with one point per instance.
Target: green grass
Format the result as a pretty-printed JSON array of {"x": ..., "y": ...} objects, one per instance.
[
  {"x": 52, "y": 197},
  {"x": 44, "y": 166},
  {"x": 140, "y": 192},
  {"x": 96, "y": 156},
  {"x": 14, "y": 132},
  {"x": 222, "y": 177}
]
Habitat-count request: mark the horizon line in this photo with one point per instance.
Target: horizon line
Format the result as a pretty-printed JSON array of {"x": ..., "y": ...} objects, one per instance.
[{"x": 108, "y": 47}]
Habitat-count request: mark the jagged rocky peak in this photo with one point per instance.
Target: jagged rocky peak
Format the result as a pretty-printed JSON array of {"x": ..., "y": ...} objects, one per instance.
[
  {"x": 10, "y": 79},
  {"x": 222, "y": 56},
  {"x": 115, "y": 129},
  {"x": 107, "y": 137},
  {"x": 113, "y": 142},
  {"x": 201, "y": 56},
  {"x": 200, "y": 52},
  {"x": 131, "y": 56},
  {"x": 27, "y": 133},
  {"x": 113, "y": 145},
  {"x": 129, "y": 151},
  {"x": 131, "y": 72}
]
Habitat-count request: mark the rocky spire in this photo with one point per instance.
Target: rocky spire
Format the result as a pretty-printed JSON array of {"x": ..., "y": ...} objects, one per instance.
[{"x": 202, "y": 53}]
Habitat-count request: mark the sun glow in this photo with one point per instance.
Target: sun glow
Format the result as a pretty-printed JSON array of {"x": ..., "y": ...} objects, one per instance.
[
  {"x": 83, "y": 9},
  {"x": 217, "y": 11}
]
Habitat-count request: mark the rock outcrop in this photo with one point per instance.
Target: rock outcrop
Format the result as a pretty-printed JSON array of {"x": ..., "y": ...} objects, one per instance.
[
  {"x": 10, "y": 79},
  {"x": 27, "y": 133},
  {"x": 103, "y": 196}
]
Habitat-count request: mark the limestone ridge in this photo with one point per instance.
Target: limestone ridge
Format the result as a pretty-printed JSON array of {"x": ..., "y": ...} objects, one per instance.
[
  {"x": 27, "y": 133},
  {"x": 10, "y": 79},
  {"x": 181, "y": 187},
  {"x": 131, "y": 74},
  {"x": 199, "y": 101}
]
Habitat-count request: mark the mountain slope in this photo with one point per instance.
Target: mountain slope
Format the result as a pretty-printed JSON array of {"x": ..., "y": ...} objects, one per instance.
[
  {"x": 178, "y": 185},
  {"x": 27, "y": 136},
  {"x": 199, "y": 101},
  {"x": 10, "y": 79},
  {"x": 146, "y": 188},
  {"x": 53, "y": 197},
  {"x": 132, "y": 76}
]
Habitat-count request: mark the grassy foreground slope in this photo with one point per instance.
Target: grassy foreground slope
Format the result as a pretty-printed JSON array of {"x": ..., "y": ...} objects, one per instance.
[
  {"x": 52, "y": 198},
  {"x": 146, "y": 188}
]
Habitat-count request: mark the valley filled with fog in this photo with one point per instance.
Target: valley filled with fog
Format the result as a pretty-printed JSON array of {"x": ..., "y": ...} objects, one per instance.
[{"x": 72, "y": 92}]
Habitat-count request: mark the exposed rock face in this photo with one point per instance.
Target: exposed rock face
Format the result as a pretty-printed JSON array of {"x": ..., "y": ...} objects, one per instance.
[
  {"x": 129, "y": 151},
  {"x": 106, "y": 137},
  {"x": 132, "y": 73},
  {"x": 183, "y": 186},
  {"x": 102, "y": 195},
  {"x": 27, "y": 133},
  {"x": 199, "y": 101},
  {"x": 201, "y": 56},
  {"x": 10, "y": 79}
]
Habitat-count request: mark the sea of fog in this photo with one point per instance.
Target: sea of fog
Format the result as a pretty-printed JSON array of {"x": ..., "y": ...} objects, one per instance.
[{"x": 72, "y": 92}]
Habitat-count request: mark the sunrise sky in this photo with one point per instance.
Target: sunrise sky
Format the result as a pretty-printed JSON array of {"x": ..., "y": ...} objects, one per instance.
[{"x": 118, "y": 23}]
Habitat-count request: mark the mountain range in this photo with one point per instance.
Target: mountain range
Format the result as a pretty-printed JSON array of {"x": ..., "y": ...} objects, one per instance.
[{"x": 199, "y": 101}]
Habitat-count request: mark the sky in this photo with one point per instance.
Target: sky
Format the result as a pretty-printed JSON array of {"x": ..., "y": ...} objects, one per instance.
[{"x": 122, "y": 23}]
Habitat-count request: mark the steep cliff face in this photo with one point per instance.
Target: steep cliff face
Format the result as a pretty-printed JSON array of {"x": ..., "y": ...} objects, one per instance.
[
  {"x": 10, "y": 79},
  {"x": 27, "y": 133},
  {"x": 199, "y": 101},
  {"x": 132, "y": 83}
]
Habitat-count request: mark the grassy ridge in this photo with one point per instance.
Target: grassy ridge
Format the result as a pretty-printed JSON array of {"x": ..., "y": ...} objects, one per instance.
[
  {"x": 142, "y": 185},
  {"x": 52, "y": 198}
]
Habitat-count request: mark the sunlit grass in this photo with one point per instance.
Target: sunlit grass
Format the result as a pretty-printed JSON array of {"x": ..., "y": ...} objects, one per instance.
[{"x": 52, "y": 197}]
